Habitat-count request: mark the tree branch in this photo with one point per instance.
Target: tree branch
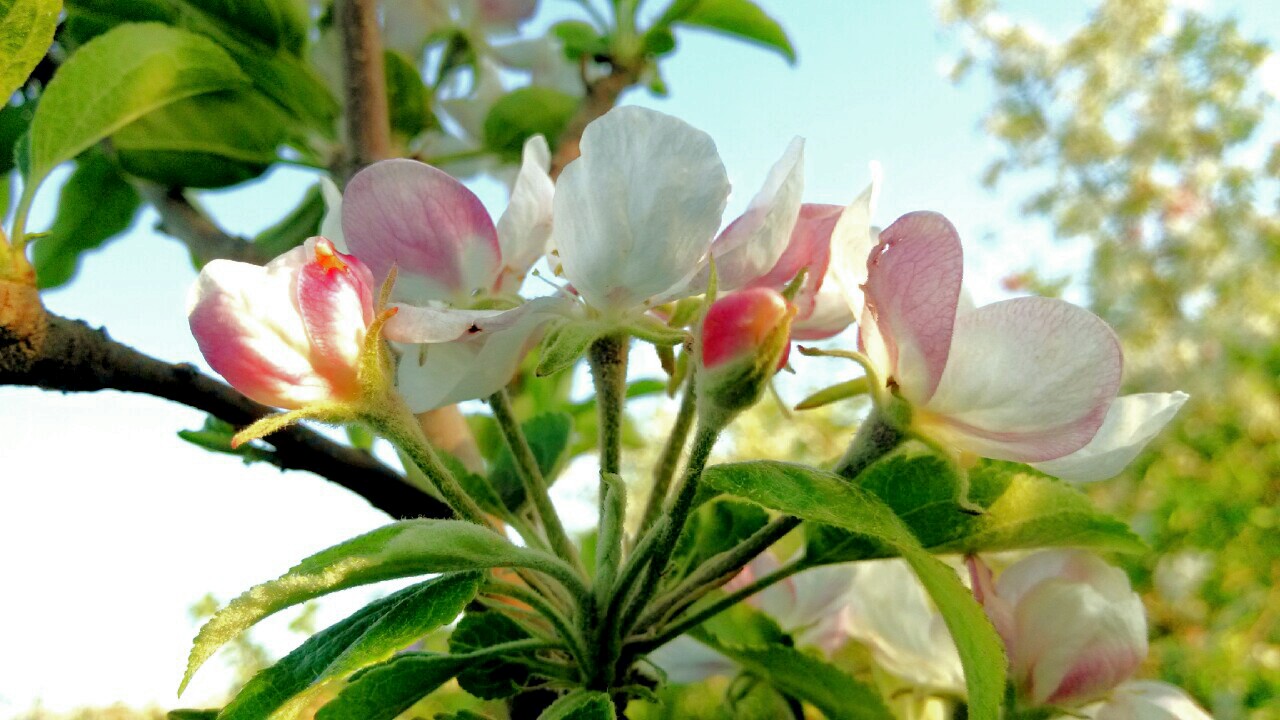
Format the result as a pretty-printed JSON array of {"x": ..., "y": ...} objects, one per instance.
[
  {"x": 601, "y": 96},
  {"x": 368, "y": 121},
  {"x": 72, "y": 357},
  {"x": 205, "y": 241}
]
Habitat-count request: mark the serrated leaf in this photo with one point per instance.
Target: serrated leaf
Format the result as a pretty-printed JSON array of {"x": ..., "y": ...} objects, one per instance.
[
  {"x": 1024, "y": 509},
  {"x": 581, "y": 705},
  {"x": 208, "y": 141},
  {"x": 117, "y": 78},
  {"x": 293, "y": 229},
  {"x": 95, "y": 205},
  {"x": 564, "y": 343},
  {"x": 822, "y": 497},
  {"x": 26, "y": 32},
  {"x": 523, "y": 113},
  {"x": 716, "y": 527},
  {"x": 370, "y": 635},
  {"x": 740, "y": 18},
  {"x": 384, "y": 691},
  {"x": 819, "y": 683},
  {"x": 495, "y": 678},
  {"x": 403, "y": 549},
  {"x": 548, "y": 435}
]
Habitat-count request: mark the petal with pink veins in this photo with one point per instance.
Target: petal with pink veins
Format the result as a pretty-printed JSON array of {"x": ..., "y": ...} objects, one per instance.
[
  {"x": 808, "y": 249},
  {"x": 851, "y": 243},
  {"x": 635, "y": 214},
  {"x": 424, "y": 222},
  {"x": 1131, "y": 423},
  {"x": 1028, "y": 379},
  {"x": 335, "y": 300},
  {"x": 525, "y": 226},
  {"x": 913, "y": 285}
]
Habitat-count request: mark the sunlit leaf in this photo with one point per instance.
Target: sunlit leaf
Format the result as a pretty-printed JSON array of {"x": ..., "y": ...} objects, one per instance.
[{"x": 26, "y": 31}]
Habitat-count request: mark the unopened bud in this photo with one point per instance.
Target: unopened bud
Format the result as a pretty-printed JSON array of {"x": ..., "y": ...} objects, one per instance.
[{"x": 745, "y": 339}]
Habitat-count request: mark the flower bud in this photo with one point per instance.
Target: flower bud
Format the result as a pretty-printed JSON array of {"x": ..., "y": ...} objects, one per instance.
[
  {"x": 289, "y": 333},
  {"x": 745, "y": 339},
  {"x": 1073, "y": 627}
]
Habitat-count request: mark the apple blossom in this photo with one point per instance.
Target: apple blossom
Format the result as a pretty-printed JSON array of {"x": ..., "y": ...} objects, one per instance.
[
  {"x": 1147, "y": 700},
  {"x": 289, "y": 333},
  {"x": 1072, "y": 626},
  {"x": 744, "y": 340}
]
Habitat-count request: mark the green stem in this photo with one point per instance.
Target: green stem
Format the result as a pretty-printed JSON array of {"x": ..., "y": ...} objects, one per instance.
[
  {"x": 515, "y": 646},
  {"x": 535, "y": 485},
  {"x": 19, "y": 234},
  {"x": 557, "y": 619},
  {"x": 403, "y": 430},
  {"x": 875, "y": 439},
  {"x": 666, "y": 469}
]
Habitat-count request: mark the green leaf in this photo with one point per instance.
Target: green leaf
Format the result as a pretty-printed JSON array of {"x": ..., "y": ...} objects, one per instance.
[
  {"x": 384, "y": 691},
  {"x": 403, "y": 549},
  {"x": 716, "y": 527},
  {"x": 95, "y": 204},
  {"x": 548, "y": 435},
  {"x": 192, "y": 714},
  {"x": 526, "y": 112},
  {"x": 370, "y": 635},
  {"x": 26, "y": 32},
  {"x": 564, "y": 343},
  {"x": 817, "y": 682},
  {"x": 835, "y": 393},
  {"x": 495, "y": 678},
  {"x": 208, "y": 141},
  {"x": 579, "y": 39},
  {"x": 818, "y": 496},
  {"x": 216, "y": 436},
  {"x": 1024, "y": 509},
  {"x": 741, "y": 18},
  {"x": 14, "y": 121},
  {"x": 406, "y": 96},
  {"x": 117, "y": 78},
  {"x": 581, "y": 705},
  {"x": 276, "y": 23},
  {"x": 87, "y": 19},
  {"x": 651, "y": 329},
  {"x": 293, "y": 229}
]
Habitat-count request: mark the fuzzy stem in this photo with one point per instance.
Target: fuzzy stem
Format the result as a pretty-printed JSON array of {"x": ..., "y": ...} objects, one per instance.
[
  {"x": 875, "y": 439},
  {"x": 549, "y": 611},
  {"x": 402, "y": 429},
  {"x": 671, "y": 452}
]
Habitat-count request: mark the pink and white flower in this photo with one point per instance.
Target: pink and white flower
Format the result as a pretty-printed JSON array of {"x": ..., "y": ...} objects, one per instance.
[
  {"x": 290, "y": 333},
  {"x": 1072, "y": 626},
  {"x": 1147, "y": 700}
]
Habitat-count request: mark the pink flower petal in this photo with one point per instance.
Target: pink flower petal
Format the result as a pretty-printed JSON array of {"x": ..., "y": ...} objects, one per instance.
[
  {"x": 752, "y": 244},
  {"x": 1028, "y": 379},
  {"x": 429, "y": 225},
  {"x": 912, "y": 288},
  {"x": 809, "y": 248},
  {"x": 1131, "y": 423},
  {"x": 335, "y": 300}
]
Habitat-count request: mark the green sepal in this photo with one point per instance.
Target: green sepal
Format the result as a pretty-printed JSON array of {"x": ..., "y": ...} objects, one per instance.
[
  {"x": 495, "y": 678},
  {"x": 565, "y": 342},
  {"x": 835, "y": 393},
  {"x": 651, "y": 329}
]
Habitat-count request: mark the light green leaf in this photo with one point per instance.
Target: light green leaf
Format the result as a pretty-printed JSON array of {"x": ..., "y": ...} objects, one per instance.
[
  {"x": 95, "y": 205},
  {"x": 403, "y": 549},
  {"x": 835, "y": 393},
  {"x": 384, "y": 691},
  {"x": 495, "y": 678},
  {"x": 822, "y": 497},
  {"x": 581, "y": 705},
  {"x": 526, "y": 112},
  {"x": 564, "y": 343},
  {"x": 406, "y": 96},
  {"x": 26, "y": 32},
  {"x": 117, "y": 78},
  {"x": 216, "y": 435},
  {"x": 819, "y": 683},
  {"x": 651, "y": 329},
  {"x": 208, "y": 141},
  {"x": 741, "y": 18},
  {"x": 370, "y": 635},
  {"x": 1024, "y": 509},
  {"x": 579, "y": 38}
]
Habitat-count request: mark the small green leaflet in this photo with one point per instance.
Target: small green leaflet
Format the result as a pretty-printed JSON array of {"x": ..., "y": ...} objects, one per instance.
[
  {"x": 370, "y": 635},
  {"x": 26, "y": 32},
  {"x": 523, "y": 113},
  {"x": 741, "y": 18},
  {"x": 384, "y": 691},
  {"x": 403, "y": 549},
  {"x": 823, "y": 497},
  {"x": 581, "y": 705},
  {"x": 494, "y": 678}
]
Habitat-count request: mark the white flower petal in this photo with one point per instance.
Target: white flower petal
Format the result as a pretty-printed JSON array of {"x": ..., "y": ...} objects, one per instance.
[
  {"x": 525, "y": 226},
  {"x": 1150, "y": 700},
  {"x": 636, "y": 213},
  {"x": 751, "y": 245},
  {"x": 851, "y": 243},
  {"x": 687, "y": 661},
  {"x": 1131, "y": 423},
  {"x": 331, "y": 225}
]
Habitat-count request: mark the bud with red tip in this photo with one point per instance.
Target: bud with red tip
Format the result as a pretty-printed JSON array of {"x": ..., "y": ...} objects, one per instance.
[{"x": 745, "y": 339}]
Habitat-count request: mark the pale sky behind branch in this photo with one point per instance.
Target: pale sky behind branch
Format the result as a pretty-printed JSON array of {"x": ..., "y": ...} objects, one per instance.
[{"x": 111, "y": 527}]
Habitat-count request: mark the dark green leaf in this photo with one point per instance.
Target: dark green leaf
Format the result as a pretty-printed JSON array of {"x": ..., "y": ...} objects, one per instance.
[
  {"x": 14, "y": 120},
  {"x": 26, "y": 31},
  {"x": 384, "y": 691},
  {"x": 403, "y": 549},
  {"x": 293, "y": 229},
  {"x": 275, "y": 23},
  {"x": 1025, "y": 509},
  {"x": 192, "y": 714},
  {"x": 526, "y": 112},
  {"x": 581, "y": 705},
  {"x": 659, "y": 41},
  {"x": 117, "y": 78},
  {"x": 216, "y": 436},
  {"x": 406, "y": 96},
  {"x": 87, "y": 19},
  {"x": 548, "y": 436},
  {"x": 495, "y": 678},
  {"x": 741, "y": 18},
  {"x": 715, "y": 527},
  {"x": 208, "y": 141},
  {"x": 370, "y": 635},
  {"x": 95, "y": 205},
  {"x": 823, "y": 497}
]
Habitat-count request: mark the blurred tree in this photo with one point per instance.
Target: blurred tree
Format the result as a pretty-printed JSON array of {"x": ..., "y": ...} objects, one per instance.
[{"x": 1145, "y": 133}]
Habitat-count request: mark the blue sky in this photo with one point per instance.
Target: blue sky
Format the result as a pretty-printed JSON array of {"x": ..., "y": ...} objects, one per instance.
[{"x": 112, "y": 527}]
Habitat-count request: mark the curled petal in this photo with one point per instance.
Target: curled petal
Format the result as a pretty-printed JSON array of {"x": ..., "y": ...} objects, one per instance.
[
  {"x": 753, "y": 243},
  {"x": 430, "y": 226},
  {"x": 1028, "y": 379},
  {"x": 475, "y": 366},
  {"x": 1131, "y": 423},
  {"x": 635, "y": 214},
  {"x": 913, "y": 286},
  {"x": 335, "y": 300},
  {"x": 851, "y": 242},
  {"x": 525, "y": 226},
  {"x": 331, "y": 224},
  {"x": 441, "y": 323}
]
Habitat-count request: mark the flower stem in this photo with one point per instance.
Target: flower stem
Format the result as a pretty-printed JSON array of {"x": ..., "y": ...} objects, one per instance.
[
  {"x": 535, "y": 485},
  {"x": 402, "y": 429},
  {"x": 875, "y": 439},
  {"x": 671, "y": 452},
  {"x": 608, "y": 359},
  {"x": 544, "y": 608}
]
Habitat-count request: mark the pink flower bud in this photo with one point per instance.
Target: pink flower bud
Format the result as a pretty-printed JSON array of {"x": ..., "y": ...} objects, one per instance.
[
  {"x": 1073, "y": 627},
  {"x": 289, "y": 333},
  {"x": 744, "y": 341}
]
